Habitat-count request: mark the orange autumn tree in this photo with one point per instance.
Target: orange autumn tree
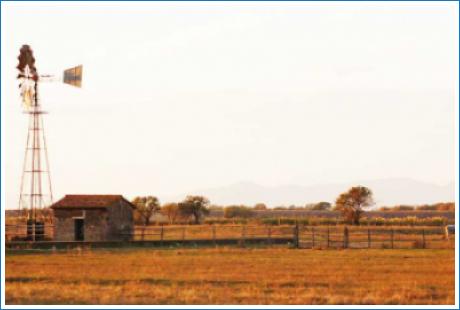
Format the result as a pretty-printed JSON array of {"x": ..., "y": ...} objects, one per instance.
[{"x": 353, "y": 202}]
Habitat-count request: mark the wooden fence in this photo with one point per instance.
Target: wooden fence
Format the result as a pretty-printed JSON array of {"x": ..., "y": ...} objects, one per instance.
[
  {"x": 373, "y": 237},
  {"x": 299, "y": 236},
  {"x": 211, "y": 232},
  {"x": 306, "y": 236}
]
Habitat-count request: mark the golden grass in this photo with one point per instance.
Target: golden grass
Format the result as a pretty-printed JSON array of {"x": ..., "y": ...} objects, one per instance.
[{"x": 231, "y": 276}]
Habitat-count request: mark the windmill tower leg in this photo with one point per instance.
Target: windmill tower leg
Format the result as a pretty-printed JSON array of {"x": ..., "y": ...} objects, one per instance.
[{"x": 33, "y": 179}]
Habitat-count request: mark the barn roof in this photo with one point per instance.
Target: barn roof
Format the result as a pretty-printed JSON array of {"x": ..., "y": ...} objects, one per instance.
[{"x": 88, "y": 201}]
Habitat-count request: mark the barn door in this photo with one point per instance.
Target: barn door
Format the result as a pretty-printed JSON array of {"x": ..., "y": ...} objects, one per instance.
[{"x": 79, "y": 225}]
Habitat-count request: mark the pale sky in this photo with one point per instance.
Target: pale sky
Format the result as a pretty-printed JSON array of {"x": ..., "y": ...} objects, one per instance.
[{"x": 182, "y": 96}]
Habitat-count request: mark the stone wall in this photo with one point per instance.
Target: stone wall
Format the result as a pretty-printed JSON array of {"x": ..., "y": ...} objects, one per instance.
[
  {"x": 121, "y": 221},
  {"x": 95, "y": 224}
]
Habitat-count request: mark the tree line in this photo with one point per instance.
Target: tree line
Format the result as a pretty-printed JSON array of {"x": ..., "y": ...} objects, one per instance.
[
  {"x": 352, "y": 204},
  {"x": 441, "y": 206},
  {"x": 192, "y": 207}
]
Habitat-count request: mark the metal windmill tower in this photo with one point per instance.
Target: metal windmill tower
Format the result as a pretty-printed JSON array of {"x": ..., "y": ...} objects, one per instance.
[{"x": 36, "y": 189}]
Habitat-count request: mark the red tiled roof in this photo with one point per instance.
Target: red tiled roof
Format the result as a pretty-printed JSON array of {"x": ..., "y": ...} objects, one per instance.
[{"x": 88, "y": 201}]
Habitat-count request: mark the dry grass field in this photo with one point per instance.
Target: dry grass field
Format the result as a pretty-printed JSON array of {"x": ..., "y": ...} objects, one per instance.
[{"x": 231, "y": 276}]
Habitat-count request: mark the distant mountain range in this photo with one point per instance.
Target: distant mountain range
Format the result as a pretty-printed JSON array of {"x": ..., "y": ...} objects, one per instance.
[{"x": 386, "y": 192}]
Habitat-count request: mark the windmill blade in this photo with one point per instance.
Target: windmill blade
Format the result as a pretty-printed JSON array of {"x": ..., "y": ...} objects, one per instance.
[
  {"x": 27, "y": 60},
  {"x": 73, "y": 76}
]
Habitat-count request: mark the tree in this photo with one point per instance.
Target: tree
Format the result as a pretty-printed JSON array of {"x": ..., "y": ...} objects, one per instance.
[
  {"x": 441, "y": 206},
  {"x": 196, "y": 206},
  {"x": 353, "y": 202},
  {"x": 171, "y": 211},
  {"x": 322, "y": 206},
  {"x": 309, "y": 206},
  {"x": 260, "y": 206},
  {"x": 426, "y": 208},
  {"x": 146, "y": 207},
  {"x": 238, "y": 211},
  {"x": 403, "y": 208},
  {"x": 445, "y": 206}
]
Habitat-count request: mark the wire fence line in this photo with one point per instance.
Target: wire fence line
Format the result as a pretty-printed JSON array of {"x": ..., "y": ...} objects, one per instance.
[
  {"x": 372, "y": 237},
  {"x": 298, "y": 235},
  {"x": 211, "y": 232}
]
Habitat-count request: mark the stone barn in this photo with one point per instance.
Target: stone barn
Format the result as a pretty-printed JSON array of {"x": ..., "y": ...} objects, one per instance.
[{"x": 93, "y": 218}]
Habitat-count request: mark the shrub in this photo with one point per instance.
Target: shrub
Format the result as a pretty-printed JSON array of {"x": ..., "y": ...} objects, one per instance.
[
  {"x": 404, "y": 208},
  {"x": 435, "y": 221},
  {"x": 427, "y": 208},
  {"x": 270, "y": 221},
  {"x": 238, "y": 211},
  {"x": 260, "y": 206},
  {"x": 396, "y": 221},
  {"x": 379, "y": 221},
  {"x": 288, "y": 221},
  {"x": 410, "y": 220},
  {"x": 214, "y": 220},
  {"x": 445, "y": 206},
  {"x": 322, "y": 206}
]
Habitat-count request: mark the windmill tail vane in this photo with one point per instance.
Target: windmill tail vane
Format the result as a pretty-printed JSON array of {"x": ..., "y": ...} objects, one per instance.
[{"x": 73, "y": 76}]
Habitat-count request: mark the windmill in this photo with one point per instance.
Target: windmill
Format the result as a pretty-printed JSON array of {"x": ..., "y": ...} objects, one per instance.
[{"x": 36, "y": 190}]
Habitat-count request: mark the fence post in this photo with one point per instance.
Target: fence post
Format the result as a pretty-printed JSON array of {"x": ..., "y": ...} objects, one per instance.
[
  {"x": 392, "y": 238},
  {"x": 296, "y": 236},
  {"x": 328, "y": 237},
  {"x": 243, "y": 234},
  {"x": 183, "y": 233},
  {"x": 143, "y": 232},
  {"x": 161, "y": 233},
  {"x": 368, "y": 238},
  {"x": 312, "y": 237},
  {"x": 345, "y": 237},
  {"x": 269, "y": 234},
  {"x": 214, "y": 233},
  {"x": 423, "y": 240}
]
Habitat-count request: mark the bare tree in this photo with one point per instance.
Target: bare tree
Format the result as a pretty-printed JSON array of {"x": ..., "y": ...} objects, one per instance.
[
  {"x": 196, "y": 206},
  {"x": 146, "y": 207},
  {"x": 171, "y": 211}
]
